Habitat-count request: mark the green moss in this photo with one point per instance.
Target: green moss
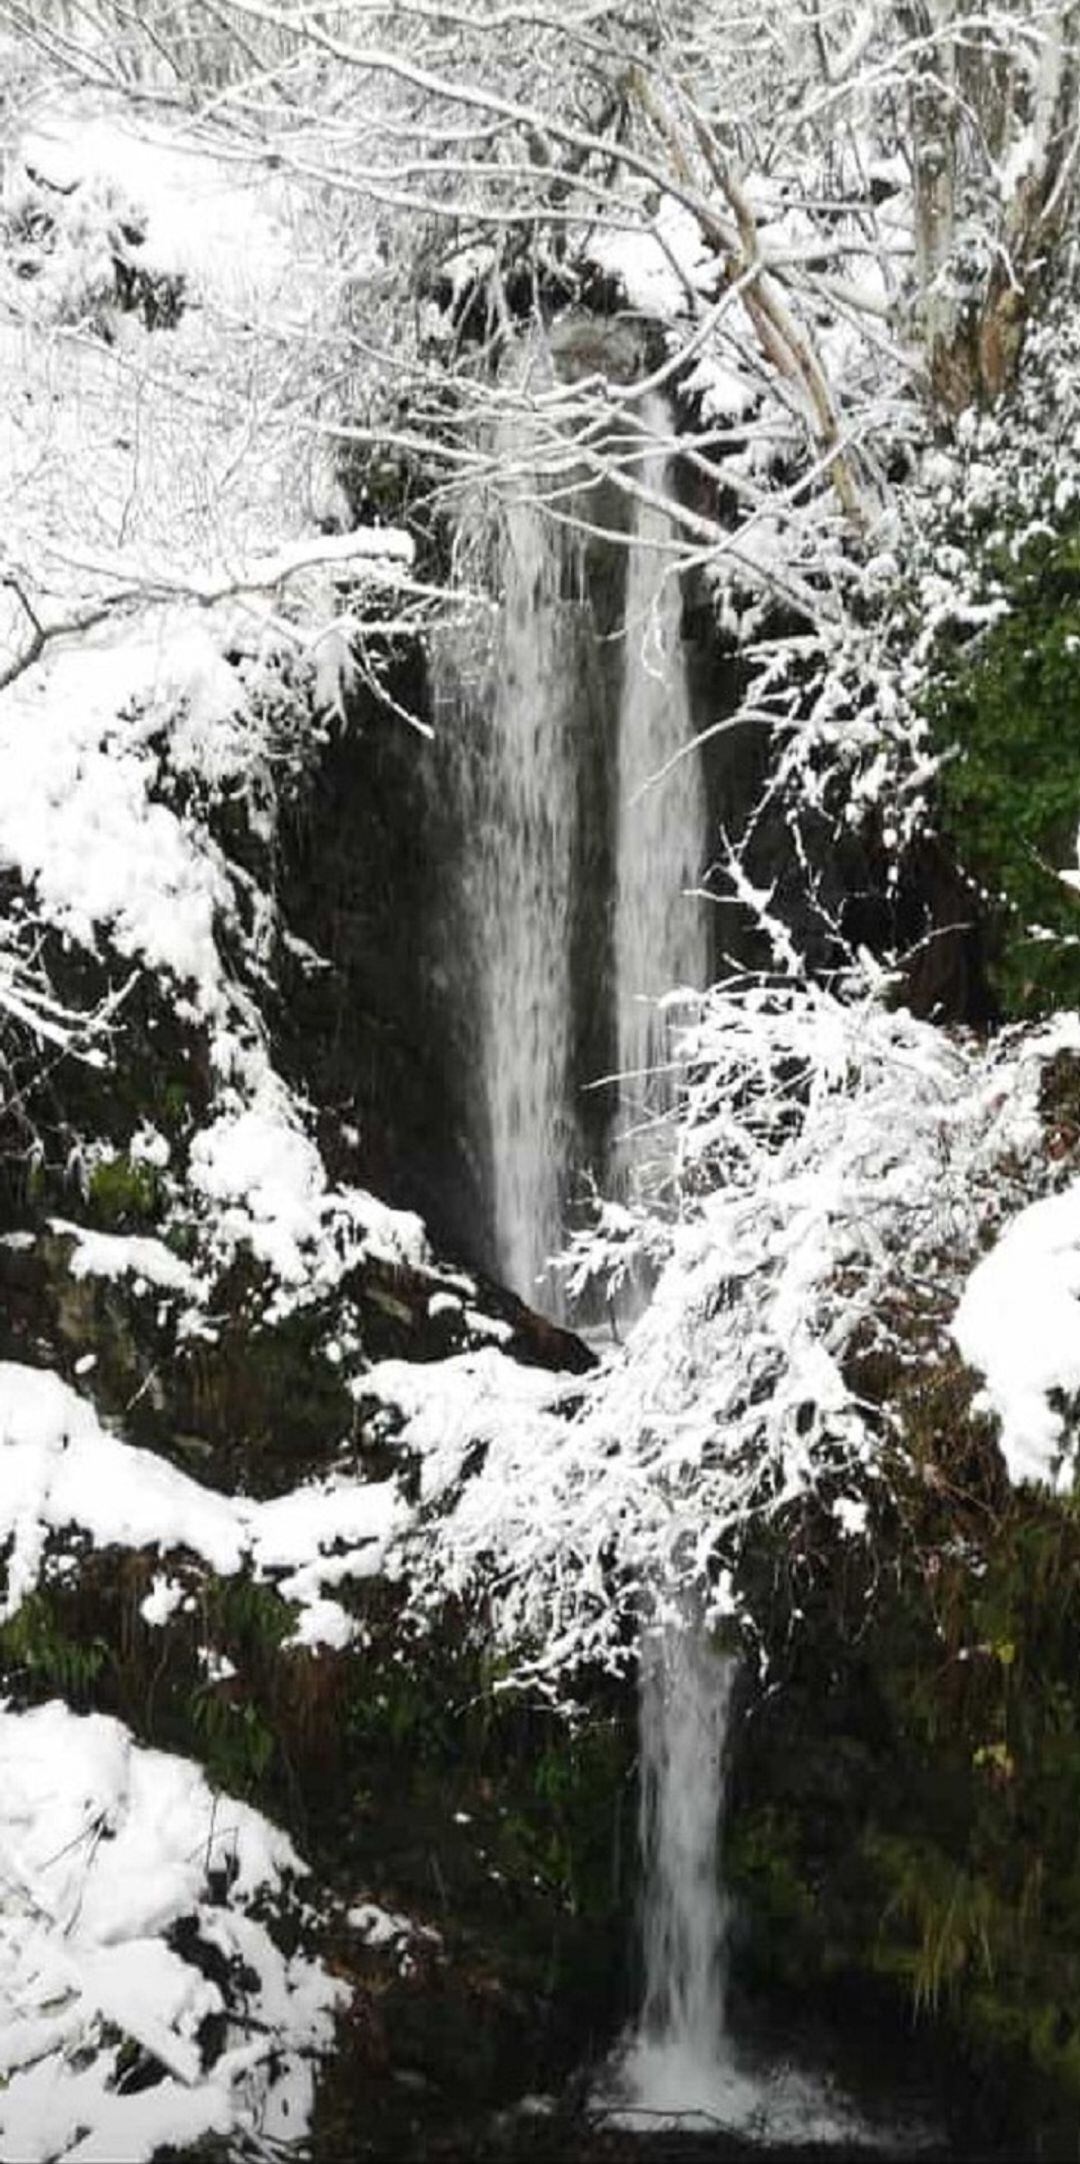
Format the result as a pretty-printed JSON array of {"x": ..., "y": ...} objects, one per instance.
[
  {"x": 175, "y": 1107},
  {"x": 124, "y": 1195},
  {"x": 1007, "y": 717}
]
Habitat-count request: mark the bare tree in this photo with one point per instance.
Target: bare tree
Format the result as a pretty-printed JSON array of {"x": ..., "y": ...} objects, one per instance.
[{"x": 900, "y": 171}]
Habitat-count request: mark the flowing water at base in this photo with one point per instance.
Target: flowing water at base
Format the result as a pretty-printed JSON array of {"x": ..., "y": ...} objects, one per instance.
[{"x": 680, "y": 2067}]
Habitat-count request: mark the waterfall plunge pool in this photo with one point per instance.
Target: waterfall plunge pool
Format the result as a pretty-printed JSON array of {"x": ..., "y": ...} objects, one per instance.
[{"x": 679, "y": 2070}]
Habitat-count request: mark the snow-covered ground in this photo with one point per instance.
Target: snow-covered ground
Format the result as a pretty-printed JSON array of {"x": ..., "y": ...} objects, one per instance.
[
  {"x": 62, "y": 1472},
  {"x": 121, "y": 2032}
]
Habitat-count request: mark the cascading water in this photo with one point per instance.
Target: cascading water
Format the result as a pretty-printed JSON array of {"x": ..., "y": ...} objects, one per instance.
[
  {"x": 661, "y": 935},
  {"x": 579, "y": 798},
  {"x": 685, "y": 1691},
  {"x": 583, "y": 818},
  {"x": 523, "y": 890},
  {"x": 680, "y": 2063}
]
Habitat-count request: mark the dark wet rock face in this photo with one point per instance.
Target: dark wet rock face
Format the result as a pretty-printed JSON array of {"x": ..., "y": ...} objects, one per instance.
[{"x": 374, "y": 866}]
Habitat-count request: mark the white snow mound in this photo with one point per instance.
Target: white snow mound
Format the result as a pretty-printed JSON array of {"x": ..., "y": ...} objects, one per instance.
[
  {"x": 1019, "y": 1324},
  {"x": 103, "y": 1847},
  {"x": 60, "y": 1468}
]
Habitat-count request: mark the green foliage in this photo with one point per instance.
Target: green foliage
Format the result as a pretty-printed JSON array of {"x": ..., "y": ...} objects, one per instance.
[
  {"x": 951, "y": 1924},
  {"x": 34, "y": 1644},
  {"x": 233, "y": 1719},
  {"x": 491, "y": 1814},
  {"x": 175, "y": 1107},
  {"x": 1008, "y": 713},
  {"x": 762, "y": 1861},
  {"x": 558, "y": 1790},
  {"x": 394, "y": 1712},
  {"x": 124, "y": 1195},
  {"x": 250, "y": 1618},
  {"x": 234, "y": 1740},
  {"x": 904, "y": 1799},
  {"x": 560, "y": 1829}
]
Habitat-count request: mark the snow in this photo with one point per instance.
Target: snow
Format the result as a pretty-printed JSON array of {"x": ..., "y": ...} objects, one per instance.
[
  {"x": 657, "y": 262},
  {"x": 384, "y": 1927},
  {"x": 62, "y": 1471},
  {"x": 378, "y": 1926},
  {"x": 267, "y": 1179},
  {"x": 1019, "y": 1324},
  {"x": 77, "y": 819},
  {"x": 220, "y": 226},
  {"x": 217, "y": 1667},
  {"x": 851, "y": 1515},
  {"x": 444, "y": 1303},
  {"x": 806, "y": 1224},
  {"x": 166, "y": 1595},
  {"x": 477, "y": 1398},
  {"x": 62, "y": 1468},
  {"x": 489, "y": 1326},
  {"x": 103, "y": 1847},
  {"x": 111, "y": 1254},
  {"x": 148, "y": 1146},
  {"x": 323, "y": 1623},
  {"x": 264, "y": 1181},
  {"x": 300, "y": 1531},
  {"x": 798, "y": 1212}
]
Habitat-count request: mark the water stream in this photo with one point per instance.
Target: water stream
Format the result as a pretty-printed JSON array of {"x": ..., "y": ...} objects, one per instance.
[
  {"x": 681, "y": 2066},
  {"x": 523, "y": 890},
  {"x": 661, "y": 939},
  {"x": 685, "y": 1698},
  {"x": 569, "y": 740}
]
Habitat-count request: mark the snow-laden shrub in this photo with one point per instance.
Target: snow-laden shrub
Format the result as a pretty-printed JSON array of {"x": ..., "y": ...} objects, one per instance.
[
  {"x": 838, "y": 1167},
  {"x": 149, "y": 2005},
  {"x": 79, "y": 255}
]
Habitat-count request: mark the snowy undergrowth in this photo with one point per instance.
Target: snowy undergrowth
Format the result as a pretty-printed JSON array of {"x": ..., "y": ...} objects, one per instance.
[
  {"x": 850, "y": 697},
  {"x": 1017, "y": 1324},
  {"x": 146, "y": 2001},
  {"x": 204, "y": 677},
  {"x": 114, "y": 868},
  {"x": 156, "y": 450},
  {"x": 842, "y": 1167},
  {"x": 63, "y": 1474}
]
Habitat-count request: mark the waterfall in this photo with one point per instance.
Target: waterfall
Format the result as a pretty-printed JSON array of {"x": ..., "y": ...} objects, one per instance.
[
  {"x": 661, "y": 935},
  {"x": 685, "y": 1695},
  {"x": 680, "y": 2062},
  {"x": 581, "y": 828},
  {"x": 678, "y": 2059},
  {"x": 523, "y": 895},
  {"x": 576, "y": 803}
]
